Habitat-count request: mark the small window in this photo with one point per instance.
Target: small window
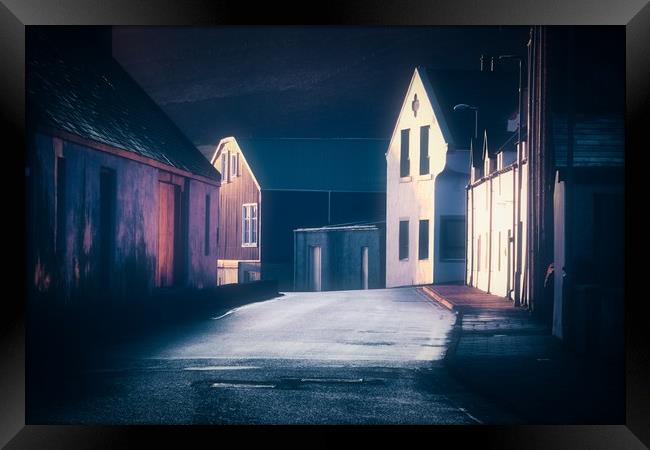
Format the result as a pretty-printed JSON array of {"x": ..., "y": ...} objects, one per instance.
[
  {"x": 452, "y": 238},
  {"x": 224, "y": 166},
  {"x": 249, "y": 225},
  {"x": 206, "y": 239},
  {"x": 424, "y": 150},
  {"x": 423, "y": 242},
  {"x": 403, "y": 239},
  {"x": 404, "y": 162},
  {"x": 234, "y": 163}
]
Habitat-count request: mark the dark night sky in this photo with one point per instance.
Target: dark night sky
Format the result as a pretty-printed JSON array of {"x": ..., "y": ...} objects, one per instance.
[{"x": 295, "y": 81}]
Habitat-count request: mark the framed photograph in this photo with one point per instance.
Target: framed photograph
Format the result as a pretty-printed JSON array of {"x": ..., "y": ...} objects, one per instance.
[{"x": 406, "y": 217}]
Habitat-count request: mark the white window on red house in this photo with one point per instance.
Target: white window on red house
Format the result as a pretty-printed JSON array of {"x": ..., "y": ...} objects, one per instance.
[
  {"x": 224, "y": 167},
  {"x": 234, "y": 164},
  {"x": 249, "y": 225}
]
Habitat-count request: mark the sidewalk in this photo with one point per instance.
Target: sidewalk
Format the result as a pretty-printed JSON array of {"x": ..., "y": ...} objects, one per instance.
[{"x": 502, "y": 353}]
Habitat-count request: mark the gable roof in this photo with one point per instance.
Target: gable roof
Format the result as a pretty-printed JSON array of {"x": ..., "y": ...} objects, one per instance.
[
  {"x": 317, "y": 164},
  {"x": 438, "y": 107},
  {"x": 91, "y": 96},
  {"x": 494, "y": 93}
]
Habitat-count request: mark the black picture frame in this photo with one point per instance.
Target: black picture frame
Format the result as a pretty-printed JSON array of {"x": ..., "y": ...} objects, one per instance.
[{"x": 15, "y": 15}]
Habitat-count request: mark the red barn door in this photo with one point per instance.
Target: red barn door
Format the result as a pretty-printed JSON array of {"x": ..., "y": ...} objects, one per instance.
[{"x": 168, "y": 230}]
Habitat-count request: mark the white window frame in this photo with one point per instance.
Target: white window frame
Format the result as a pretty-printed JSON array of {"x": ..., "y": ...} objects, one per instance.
[
  {"x": 234, "y": 164},
  {"x": 224, "y": 167},
  {"x": 249, "y": 221}
]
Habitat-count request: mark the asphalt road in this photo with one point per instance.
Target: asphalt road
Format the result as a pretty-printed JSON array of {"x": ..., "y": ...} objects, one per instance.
[{"x": 352, "y": 357}]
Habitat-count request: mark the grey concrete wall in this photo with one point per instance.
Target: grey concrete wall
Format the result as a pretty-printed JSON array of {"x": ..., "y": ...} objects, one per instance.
[{"x": 340, "y": 258}]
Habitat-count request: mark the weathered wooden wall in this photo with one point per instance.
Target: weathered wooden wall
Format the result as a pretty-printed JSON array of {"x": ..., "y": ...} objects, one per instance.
[
  {"x": 233, "y": 194},
  {"x": 202, "y": 271},
  {"x": 73, "y": 271}
]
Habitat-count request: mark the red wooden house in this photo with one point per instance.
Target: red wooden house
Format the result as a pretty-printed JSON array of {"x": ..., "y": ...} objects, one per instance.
[{"x": 271, "y": 187}]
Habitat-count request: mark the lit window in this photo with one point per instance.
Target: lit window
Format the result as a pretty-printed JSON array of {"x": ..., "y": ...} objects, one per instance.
[{"x": 249, "y": 225}]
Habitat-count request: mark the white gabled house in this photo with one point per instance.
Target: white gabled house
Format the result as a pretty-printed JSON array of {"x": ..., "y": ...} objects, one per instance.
[{"x": 427, "y": 172}]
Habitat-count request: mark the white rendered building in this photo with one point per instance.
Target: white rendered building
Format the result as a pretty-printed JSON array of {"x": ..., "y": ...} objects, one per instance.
[{"x": 427, "y": 172}]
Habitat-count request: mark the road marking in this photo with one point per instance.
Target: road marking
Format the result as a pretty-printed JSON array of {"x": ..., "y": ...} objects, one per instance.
[
  {"x": 331, "y": 380},
  {"x": 222, "y": 368},
  {"x": 226, "y": 314},
  {"x": 470, "y": 416},
  {"x": 243, "y": 385}
]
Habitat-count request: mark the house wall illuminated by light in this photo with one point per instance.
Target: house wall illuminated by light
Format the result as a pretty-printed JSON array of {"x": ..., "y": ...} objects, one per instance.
[
  {"x": 492, "y": 231},
  {"x": 425, "y": 181}
]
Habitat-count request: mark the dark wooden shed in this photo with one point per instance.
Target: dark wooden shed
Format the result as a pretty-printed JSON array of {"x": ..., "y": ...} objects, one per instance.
[{"x": 120, "y": 202}]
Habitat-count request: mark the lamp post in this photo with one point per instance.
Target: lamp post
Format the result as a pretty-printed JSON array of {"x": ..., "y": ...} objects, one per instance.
[{"x": 466, "y": 107}]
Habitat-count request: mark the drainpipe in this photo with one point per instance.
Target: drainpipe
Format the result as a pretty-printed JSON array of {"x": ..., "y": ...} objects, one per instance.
[
  {"x": 534, "y": 188},
  {"x": 513, "y": 235},
  {"x": 468, "y": 261},
  {"x": 467, "y": 278},
  {"x": 471, "y": 279},
  {"x": 489, "y": 268}
]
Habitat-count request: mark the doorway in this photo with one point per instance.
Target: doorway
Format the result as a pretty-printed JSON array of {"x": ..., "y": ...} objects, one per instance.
[
  {"x": 169, "y": 225},
  {"x": 314, "y": 268}
]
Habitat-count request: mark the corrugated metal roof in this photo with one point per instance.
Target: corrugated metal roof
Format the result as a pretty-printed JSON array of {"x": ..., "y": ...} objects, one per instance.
[
  {"x": 93, "y": 97},
  {"x": 317, "y": 164},
  {"x": 339, "y": 228},
  {"x": 599, "y": 140}
]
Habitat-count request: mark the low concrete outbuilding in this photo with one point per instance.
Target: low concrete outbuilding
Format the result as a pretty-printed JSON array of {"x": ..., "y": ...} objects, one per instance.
[{"x": 339, "y": 257}]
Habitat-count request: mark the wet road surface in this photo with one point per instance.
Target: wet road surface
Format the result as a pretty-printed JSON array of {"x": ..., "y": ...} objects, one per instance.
[{"x": 346, "y": 357}]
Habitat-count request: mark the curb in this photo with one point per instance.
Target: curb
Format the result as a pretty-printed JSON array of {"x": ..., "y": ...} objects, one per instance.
[
  {"x": 457, "y": 331},
  {"x": 438, "y": 298}
]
